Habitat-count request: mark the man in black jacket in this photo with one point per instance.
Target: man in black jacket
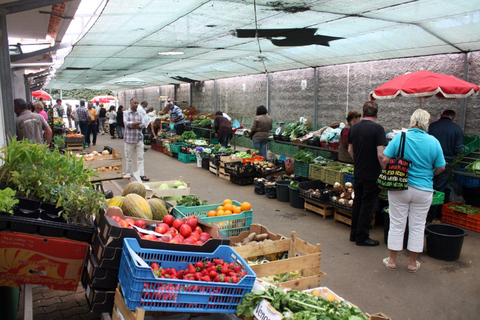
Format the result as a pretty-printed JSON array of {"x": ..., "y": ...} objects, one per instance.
[{"x": 450, "y": 136}]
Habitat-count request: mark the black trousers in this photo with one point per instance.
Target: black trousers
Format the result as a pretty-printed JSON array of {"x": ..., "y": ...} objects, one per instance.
[
  {"x": 92, "y": 129},
  {"x": 366, "y": 194},
  {"x": 179, "y": 128}
]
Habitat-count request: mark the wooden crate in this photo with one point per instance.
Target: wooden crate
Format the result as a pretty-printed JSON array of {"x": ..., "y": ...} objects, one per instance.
[
  {"x": 224, "y": 176},
  {"x": 346, "y": 217},
  {"x": 74, "y": 146},
  {"x": 302, "y": 256},
  {"x": 213, "y": 169},
  {"x": 111, "y": 160},
  {"x": 323, "y": 209}
]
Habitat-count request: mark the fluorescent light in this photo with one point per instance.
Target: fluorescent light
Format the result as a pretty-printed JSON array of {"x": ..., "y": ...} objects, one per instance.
[{"x": 171, "y": 53}]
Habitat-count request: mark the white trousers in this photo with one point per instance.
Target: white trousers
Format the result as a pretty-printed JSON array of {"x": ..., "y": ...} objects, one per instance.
[
  {"x": 132, "y": 149},
  {"x": 414, "y": 205}
]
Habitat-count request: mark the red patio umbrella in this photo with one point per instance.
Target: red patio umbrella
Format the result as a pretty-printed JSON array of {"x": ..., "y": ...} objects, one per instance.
[
  {"x": 424, "y": 84},
  {"x": 41, "y": 94},
  {"x": 104, "y": 99}
]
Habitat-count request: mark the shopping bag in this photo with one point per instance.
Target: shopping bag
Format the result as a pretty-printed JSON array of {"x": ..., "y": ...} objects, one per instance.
[{"x": 395, "y": 176}]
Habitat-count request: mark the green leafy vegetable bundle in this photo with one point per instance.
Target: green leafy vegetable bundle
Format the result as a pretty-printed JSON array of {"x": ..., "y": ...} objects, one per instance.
[
  {"x": 188, "y": 135},
  {"x": 7, "y": 200},
  {"x": 191, "y": 201},
  {"x": 304, "y": 156}
]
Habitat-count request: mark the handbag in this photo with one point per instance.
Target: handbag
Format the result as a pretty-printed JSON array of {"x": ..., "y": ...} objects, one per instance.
[{"x": 395, "y": 176}]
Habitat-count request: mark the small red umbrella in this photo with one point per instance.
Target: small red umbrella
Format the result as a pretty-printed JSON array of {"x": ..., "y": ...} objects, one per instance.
[
  {"x": 42, "y": 94},
  {"x": 104, "y": 99},
  {"x": 424, "y": 84}
]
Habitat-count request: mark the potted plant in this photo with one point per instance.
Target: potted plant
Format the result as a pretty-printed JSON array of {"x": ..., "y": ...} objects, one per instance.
[{"x": 80, "y": 203}]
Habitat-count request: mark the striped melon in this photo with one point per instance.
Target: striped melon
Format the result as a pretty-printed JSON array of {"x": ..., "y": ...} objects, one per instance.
[
  {"x": 136, "y": 206},
  {"x": 135, "y": 187},
  {"x": 158, "y": 209},
  {"x": 115, "y": 201}
]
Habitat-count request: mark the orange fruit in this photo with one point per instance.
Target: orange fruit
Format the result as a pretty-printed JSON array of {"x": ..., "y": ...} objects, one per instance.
[
  {"x": 246, "y": 206},
  {"x": 220, "y": 213},
  {"x": 330, "y": 297},
  {"x": 212, "y": 213},
  {"x": 316, "y": 292},
  {"x": 227, "y": 201},
  {"x": 237, "y": 210},
  {"x": 219, "y": 208},
  {"x": 228, "y": 206},
  {"x": 227, "y": 212}
]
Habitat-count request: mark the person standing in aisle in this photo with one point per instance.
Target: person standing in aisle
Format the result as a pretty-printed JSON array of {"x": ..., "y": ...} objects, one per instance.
[
  {"x": 366, "y": 142},
  {"x": 112, "y": 121},
  {"x": 39, "y": 109},
  {"x": 425, "y": 153},
  {"x": 30, "y": 126},
  {"x": 450, "y": 136},
  {"x": 223, "y": 128},
  {"x": 133, "y": 139},
  {"x": 343, "y": 155},
  {"x": 260, "y": 131},
  {"x": 120, "y": 124},
  {"x": 83, "y": 119},
  {"x": 102, "y": 117},
  {"x": 59, "y": 108},
  {"x": 92, "y": 125},
  {"x": 69, "y": 114},
  {"x": 142, "y": 109},
  {"x": 176, "y": 116}
]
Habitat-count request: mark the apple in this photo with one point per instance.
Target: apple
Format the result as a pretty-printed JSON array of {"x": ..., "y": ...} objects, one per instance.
[
  {"x": 192, "y": 221},
  {"x": 123, "y": 224},
  {"x": 177, "y": 223},
  {"x": 198, "y": 229},
  {"x": 162, "y": 228},
  {"x": 199, "y": 242},
  {"x": 179, "y": 237},
  {"x": 173, "y": 231},
  {"x": 165, "y": 238},
  {"x": 203, "y": 239},
  {"x": 189, "y": 240},
  {"x": 185, "y": 230},
  {"x": 129, "y": 220},
  {"x": 150, "y": 237},
  {"x": 116, "y": 218},
  {"x": 141, "y": 223},
  {"x": 168, "y": 219},
  {"x": 205, "y": 235},
  {"x": 195, "y": 235}
]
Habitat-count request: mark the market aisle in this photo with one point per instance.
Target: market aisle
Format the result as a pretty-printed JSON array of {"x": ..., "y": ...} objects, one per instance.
[{"x": 440, "y": 289}]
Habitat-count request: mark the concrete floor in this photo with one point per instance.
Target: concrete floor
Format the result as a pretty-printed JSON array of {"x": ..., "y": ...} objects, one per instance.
[{"x": 439, "y": 290}]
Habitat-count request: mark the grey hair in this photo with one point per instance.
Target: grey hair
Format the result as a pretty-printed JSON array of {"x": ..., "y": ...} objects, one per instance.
[{"x": 420, "y": 119}]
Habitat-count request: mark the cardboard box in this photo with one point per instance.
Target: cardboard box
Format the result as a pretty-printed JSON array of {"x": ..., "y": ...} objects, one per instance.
[
  {"x": 32, "y": 259},
  {"x": 112, "y": 160},
  {"x": 153, "y": 189},
  {"x": 302, "y": 257}
]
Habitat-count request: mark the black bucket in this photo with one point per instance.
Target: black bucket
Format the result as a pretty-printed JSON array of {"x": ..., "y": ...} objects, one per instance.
[
  {"x": 282, "y": 191},
  {"x": 444, "y": 242},
  {"x": 386, "y": 228},
  {"x": 295, "y": 200}
]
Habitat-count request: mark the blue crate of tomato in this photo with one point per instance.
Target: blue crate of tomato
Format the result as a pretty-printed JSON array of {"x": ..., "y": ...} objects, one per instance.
[{"x": 141, "y": 288}]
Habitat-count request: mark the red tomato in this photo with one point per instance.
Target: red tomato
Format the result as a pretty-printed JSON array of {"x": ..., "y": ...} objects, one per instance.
[
  {"x": 129, "y": 220},
  {"x": 168, "y": 219},
  {"x": 177, "y": 223},
  {"x": 185, "y": 230},
  {"x": 123, "y": 224},
  {"x": 205, "y": 234}
]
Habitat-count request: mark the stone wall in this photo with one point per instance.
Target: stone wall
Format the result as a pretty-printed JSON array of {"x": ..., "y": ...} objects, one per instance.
[{"x": 340, "y": 88}]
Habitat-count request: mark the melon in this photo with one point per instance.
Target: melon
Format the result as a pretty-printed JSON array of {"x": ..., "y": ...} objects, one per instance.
[
  {"x": 135, "y": 187},
  {"x": 136, "y": 206},
  {"x": 158, "y": 209},
  {"x": 115, "y": 201}
]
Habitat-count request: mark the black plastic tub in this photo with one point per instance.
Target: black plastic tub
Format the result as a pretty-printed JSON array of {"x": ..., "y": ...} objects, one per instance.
[
  {"x": 27, "y": 208},
  {"x": 295, "y": 200},
  {"x": 283, "y": 193},
  {"x": 444, "y": 242}
]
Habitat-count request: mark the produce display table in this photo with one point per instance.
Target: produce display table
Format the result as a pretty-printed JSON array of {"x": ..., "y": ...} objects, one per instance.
[
  {"x": 323, "y": 209},
  {"x": 346, "y": 217},
  {"x": 301, "y": 146}
]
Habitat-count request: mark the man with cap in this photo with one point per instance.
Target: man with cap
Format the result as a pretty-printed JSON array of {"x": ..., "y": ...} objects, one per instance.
[{"x": 30, "y": 125}]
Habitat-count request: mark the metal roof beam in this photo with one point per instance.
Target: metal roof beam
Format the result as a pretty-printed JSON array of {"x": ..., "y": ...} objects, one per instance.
[
  {"x": 25, "y": 5},
  {"x": 39, "y": 52}
]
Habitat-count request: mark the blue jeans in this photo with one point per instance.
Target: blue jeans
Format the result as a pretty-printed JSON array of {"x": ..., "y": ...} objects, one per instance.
[
  {"x": 261, "y": 146},
  {"x": 224, "y": 141},
  {"x": 83, "y": 128}
]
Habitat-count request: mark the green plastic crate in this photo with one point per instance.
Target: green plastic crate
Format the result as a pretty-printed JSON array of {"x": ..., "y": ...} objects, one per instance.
[
  {"x": 231, "y": 225},
  {"x": 471, "y": 142},
  {"x": 317, "y": 170},
  {"x": 438, "y": 198},
  {"x": 187, "y": 158},
  {"x": 175, "y": 147},
  {"x": 301, "y": 169}
]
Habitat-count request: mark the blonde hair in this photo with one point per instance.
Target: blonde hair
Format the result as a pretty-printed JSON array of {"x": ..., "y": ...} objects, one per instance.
[
  {"x": 38, "y": 106},
  {"x": 420, "y": 119}
]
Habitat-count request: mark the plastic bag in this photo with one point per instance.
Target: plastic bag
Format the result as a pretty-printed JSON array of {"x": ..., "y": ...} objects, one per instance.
[{"x": 236, "y": 124}]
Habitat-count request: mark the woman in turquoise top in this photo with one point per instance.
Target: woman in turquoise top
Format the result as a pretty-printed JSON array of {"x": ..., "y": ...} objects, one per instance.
[{"x": 426, "y": 155}]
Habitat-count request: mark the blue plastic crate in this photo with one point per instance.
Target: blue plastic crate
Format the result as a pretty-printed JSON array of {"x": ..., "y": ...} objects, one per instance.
[
  {"x": 465, "y": 181},
  {"x": 230, "y": 225},
  {"x": 141, "y": 289}
]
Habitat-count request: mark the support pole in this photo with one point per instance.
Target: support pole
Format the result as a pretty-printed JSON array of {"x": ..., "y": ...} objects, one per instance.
[
  {"x": 269, "y": 92},
  {"x": 214, "y": 96},
  {"x": 466, "y": 68},
  {"x": 6, "y": 84},
  {"x": 315, "y": 98}
]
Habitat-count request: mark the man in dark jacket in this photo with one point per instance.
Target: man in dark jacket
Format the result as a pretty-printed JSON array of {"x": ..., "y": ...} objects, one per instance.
[
  {"x": 450, "y": 136},
  {"x": 223, "y": 127}
]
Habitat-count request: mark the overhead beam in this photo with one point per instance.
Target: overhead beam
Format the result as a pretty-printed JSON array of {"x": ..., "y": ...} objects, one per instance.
[
  {"x": 39, "y": 52},
  {"x": 25, "y": 5}
]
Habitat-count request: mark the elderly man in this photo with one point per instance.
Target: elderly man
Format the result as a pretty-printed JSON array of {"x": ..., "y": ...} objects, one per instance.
[
  {"x": 133, "y": 138},
  {"x": 30, "y": 125},
  {"x": 176, "y": 116}
]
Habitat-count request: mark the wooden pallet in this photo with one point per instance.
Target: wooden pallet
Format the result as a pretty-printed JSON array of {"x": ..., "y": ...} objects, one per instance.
[
  {"x": 346, "y": 217},
  {"x": 213, "y": 169},
  {"x": 224, "y": 176},
  {"x": 323, "y": 209},
  {"x": 74, "y": 146}
]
